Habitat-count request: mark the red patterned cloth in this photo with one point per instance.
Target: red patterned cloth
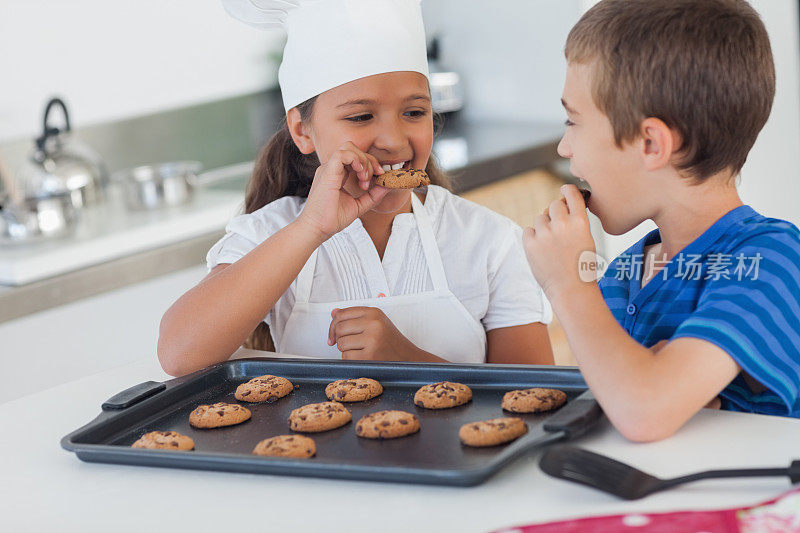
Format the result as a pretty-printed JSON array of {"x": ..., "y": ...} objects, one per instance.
[{"x": 780, "y": 515}]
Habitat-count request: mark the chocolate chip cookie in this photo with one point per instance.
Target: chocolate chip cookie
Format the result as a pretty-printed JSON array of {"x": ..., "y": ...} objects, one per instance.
[
  {"x": 164, "y": 440},
  {"x": 387, "y": 425},
  {"x": 316, "y": 417},
  {"x": 353, "y": 390},
  {"x": 263, "y": 389},
  {"x": 492, "y": 432},
  {"x": 536, "y": 400},
  {"x": 403, "y": 179},
  {"x": 585, "y": 193},
  {"x": 442, "y": 395},
  {"x": 287, "y": 446},
  {"x": 218, "y": 415}
]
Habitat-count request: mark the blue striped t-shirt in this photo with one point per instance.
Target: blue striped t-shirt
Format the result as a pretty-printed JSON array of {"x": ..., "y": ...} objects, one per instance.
[{"x": 736, "y": 286}]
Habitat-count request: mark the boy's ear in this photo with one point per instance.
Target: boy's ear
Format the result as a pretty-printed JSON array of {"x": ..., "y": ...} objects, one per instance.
[
  {"x": 299, "y": 132},
  {"x": 659, "y": 143}
]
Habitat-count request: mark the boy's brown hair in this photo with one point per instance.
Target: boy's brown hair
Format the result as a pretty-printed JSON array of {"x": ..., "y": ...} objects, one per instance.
[{"x": 704, "y": 67}]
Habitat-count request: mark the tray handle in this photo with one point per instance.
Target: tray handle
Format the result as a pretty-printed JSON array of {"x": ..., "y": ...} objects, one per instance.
[
  {"x": 133, "y": 395},
  {"x": 575, "y": 418}
]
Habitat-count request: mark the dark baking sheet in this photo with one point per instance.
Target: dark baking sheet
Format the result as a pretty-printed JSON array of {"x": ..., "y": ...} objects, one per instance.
[{"x": 434, "y": 455}]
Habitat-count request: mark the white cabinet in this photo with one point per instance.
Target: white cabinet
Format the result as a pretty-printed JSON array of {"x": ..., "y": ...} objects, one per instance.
[{"x": 46, "y": 349}]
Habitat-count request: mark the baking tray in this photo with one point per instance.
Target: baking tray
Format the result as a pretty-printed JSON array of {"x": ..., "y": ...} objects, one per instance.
[{"x": 434, "y": 455}]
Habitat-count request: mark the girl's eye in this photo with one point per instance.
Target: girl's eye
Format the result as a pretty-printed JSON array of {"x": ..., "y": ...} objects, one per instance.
[
  {"x": 569, "y": 123},
  {"x": 359, "y": 118},
  {"x": 416, "y": 113}
]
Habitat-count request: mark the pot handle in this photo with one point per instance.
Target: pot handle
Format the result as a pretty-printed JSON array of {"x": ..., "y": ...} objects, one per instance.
[{"x": 49, "y": 131}]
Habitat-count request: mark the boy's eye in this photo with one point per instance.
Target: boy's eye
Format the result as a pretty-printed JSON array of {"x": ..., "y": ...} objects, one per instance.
[
  {"x": 359, "y": 118},
  {"x": 569, "y": 123}
]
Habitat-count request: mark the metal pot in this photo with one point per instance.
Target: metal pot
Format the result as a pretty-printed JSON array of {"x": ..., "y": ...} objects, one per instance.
[
  {"x": 155, "y": 186},
  {"x": 37, "y": 219},
  {"x": 447, "y": 93},
  {"x": 60, "y": 163}
]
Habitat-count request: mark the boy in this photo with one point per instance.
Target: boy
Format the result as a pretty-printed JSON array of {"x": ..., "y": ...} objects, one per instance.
[{"x": 664, "y": 100}]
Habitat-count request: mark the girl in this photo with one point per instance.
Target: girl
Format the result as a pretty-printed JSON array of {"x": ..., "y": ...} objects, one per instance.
[{"x": 340, "y": 267}]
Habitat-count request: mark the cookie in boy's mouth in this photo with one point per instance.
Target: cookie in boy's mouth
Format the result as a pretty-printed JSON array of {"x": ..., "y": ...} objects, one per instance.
[
  {"x": 586, "y": 193},
  {"x": 402, "y": 178}
]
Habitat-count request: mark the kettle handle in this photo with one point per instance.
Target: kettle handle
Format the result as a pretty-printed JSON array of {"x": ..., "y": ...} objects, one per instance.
[{"x": 49, "y": 131}]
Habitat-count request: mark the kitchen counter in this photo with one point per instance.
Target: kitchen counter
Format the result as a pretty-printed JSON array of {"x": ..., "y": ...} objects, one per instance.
[
  {"x": 45, "y": 488},
  {"x": 125, "y": 248}
]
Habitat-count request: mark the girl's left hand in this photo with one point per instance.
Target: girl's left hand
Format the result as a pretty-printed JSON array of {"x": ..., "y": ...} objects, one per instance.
[
  {"x": 367, "y": 333},
  {"x": 554, "y": 246}
]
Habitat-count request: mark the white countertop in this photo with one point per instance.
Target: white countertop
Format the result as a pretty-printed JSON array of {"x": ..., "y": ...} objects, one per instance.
[
  {"x": 45, "y": 488},
  {"x": 108, "y": 231}
]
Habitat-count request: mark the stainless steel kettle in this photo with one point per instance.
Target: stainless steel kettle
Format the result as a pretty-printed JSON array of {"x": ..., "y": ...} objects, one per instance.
[{"x": 61, "y": 164}]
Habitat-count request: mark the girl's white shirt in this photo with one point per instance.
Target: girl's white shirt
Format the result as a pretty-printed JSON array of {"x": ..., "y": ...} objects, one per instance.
[{"x": 481, "y": 252}]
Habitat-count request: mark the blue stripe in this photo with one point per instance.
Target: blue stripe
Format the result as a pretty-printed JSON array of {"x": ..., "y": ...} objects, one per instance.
[
  {"x": 757, "y": 326},
  {"x": 744, "y": 335},
  {"x": 737, "y": 349},
  {"x": 757, "y": 321},
  {"x": 769, "y": 298}
]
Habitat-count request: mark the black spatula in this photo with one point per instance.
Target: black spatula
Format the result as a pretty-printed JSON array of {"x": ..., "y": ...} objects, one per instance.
[{"x": 608, "y": 475}]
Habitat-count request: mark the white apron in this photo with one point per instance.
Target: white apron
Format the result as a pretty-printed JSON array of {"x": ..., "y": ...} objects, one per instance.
[{"x": 435, "y": 321}]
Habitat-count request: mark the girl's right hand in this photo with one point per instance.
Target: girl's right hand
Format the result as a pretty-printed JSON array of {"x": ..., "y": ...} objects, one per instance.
[{"x": 330, "y": 208}]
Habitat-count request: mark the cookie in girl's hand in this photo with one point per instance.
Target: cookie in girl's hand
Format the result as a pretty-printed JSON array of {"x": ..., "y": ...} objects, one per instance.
[{"x": 403, "y": 179}]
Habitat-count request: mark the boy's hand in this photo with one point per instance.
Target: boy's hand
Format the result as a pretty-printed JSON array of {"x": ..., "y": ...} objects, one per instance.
[
  {"x": 329, "y": 208},
  {"x": 367, "y": 333},
  {"x": 555, "y": 243}
]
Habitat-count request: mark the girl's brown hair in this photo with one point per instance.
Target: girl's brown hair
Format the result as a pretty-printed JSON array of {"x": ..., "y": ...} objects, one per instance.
[{"x": 281, "y": 169}]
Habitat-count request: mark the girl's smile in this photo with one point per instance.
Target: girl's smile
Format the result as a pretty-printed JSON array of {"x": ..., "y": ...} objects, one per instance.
[{"x": 387, "y": 116}]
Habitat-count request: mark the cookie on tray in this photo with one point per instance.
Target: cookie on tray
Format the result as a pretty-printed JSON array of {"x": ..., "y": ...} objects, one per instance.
[
  {"x": 296, "y": 446},
  {"x": 316, "y": 417},
  {"x": 353, "y": 390},
  {"x": 492, "y": 432},
  {"x": 442, "y": 395},
  {"x": 263, "y": 389},
  {"x": 218, "y": 415},
  {"x": 387, "y": 425},
  {"x": 164, "y": 440},
  {"x": 403, "y": 179},
  {"x": 535, "y": 400}
]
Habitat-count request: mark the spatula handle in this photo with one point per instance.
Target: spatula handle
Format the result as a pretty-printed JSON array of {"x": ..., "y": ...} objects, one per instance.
[{"x": 794, "y": 471}]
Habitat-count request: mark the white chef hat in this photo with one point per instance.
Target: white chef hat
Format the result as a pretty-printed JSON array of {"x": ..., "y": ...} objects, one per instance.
[{"x": 332, "y": 42}]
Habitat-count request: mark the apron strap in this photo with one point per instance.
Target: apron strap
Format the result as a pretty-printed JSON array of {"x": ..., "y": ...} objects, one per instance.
[
  {"x": 305, "y": 279},
  {"x": 432, "y": 255}
]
